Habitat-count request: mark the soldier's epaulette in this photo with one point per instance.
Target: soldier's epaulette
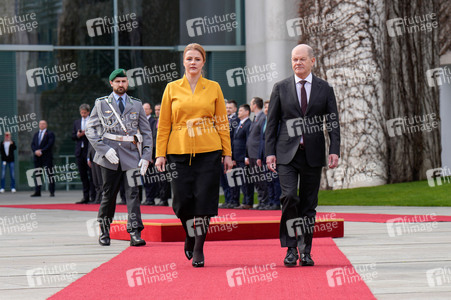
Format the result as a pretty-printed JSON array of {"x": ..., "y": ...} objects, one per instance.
[
  {"x": 101, "y": 98},
  {"x": 136, "y": 99}
]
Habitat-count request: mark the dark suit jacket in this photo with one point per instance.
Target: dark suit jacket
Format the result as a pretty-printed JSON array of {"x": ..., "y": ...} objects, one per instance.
[
  {"x": 233, "y": 124},
  {"x": 284, "y": 108},
  {"x": 153, "y": 127},
  {"x": 261, "y": 149},
  {"x": 79, "y": 141},
  {"x": 253, "y": 142},
  {"x": 10, "y": 156},
  {"x": 46, "y": 146},
  {"x": 239, "y": 141}
]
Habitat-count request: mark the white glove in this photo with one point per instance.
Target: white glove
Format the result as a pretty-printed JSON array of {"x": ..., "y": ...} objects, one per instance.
[
  {"x": 112, "y": 156},
  {"x": 144, "y": 164}
]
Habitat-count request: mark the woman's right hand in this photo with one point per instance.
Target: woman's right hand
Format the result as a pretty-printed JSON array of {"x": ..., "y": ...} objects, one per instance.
[{"x": 160, "y": 162}]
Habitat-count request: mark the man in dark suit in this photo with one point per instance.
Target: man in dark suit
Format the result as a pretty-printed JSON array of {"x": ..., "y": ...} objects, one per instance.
[
  {"x": 231, "y": 108},
  {"x": 42, "y": 146},
  {"x": 81, "y": 154},
  {"x": 272, "y": 179},
  {"x": 163, "y": 185},
  {"x": 253, "y": 146},
  {"x": 238, "y": 158},
  {"x": 299, "y": 105},
  {"x": 150, "y": 186}
]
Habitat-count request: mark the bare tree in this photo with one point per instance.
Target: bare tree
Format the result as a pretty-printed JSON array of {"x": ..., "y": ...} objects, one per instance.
[{"x": 377, "y": 77}]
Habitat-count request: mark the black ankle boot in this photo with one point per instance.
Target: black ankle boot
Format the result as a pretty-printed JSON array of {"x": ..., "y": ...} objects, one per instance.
[{"x": 104, "y": 238}]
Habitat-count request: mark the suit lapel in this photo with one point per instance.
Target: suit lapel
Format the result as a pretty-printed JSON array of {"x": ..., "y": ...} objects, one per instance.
[
  {"x": 292, "y": 87},
  {"x": 313, "y": 92}
]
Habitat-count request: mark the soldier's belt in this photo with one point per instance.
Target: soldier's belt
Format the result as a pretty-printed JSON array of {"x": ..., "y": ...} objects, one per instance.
[{"x": 119, "y": 138}]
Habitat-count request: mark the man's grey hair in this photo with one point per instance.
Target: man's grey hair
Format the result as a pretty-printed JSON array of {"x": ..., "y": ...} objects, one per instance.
[{"x": 85, "y": 106}]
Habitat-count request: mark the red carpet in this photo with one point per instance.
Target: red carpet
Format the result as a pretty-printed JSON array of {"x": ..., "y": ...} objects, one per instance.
[
  {"x": 349, "y": 217},
  {"x": 173, "y": 277}
]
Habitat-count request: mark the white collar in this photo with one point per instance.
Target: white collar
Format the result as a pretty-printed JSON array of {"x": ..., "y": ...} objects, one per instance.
[{"x": 308, "y": 78}]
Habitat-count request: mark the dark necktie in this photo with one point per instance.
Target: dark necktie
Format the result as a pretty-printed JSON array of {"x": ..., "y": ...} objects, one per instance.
[
  {"x": 303, "y": 97},
  {"x": 121, "y": 105}
]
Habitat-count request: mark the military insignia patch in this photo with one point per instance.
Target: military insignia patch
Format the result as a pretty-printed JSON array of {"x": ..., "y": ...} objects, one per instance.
[{"x": 133, "y": 115}]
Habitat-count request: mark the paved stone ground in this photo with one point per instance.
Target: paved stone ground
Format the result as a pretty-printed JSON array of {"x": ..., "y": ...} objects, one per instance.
[{"x": 394, "y": 267}]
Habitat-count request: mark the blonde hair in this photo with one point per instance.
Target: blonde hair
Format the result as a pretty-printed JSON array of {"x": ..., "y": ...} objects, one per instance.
[{"x": 197, "y": 47}]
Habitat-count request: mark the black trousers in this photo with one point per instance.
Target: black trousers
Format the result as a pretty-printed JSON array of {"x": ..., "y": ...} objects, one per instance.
[
  {"x": 111, "y": 183},
  {"x": 46, "y": 164},
  {"x": 89, "y": 191},
  {"x": 298, "y": 212},
  {"x": 97, "y": 180},
  {"x": 260, "y": 186}
]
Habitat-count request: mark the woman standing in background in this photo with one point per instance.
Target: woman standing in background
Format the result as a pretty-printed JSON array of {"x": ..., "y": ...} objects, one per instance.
[{"x": 7, "y": 152}]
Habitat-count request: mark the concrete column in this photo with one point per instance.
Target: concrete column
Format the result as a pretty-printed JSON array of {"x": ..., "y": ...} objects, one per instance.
[{"x": 268, "y": 43}]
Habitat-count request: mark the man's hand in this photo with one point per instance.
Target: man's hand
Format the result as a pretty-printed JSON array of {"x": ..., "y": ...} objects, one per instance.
[
  {"x": 259, "y": 162},
  {"x": 144, "y": 164},
  {"x": 333, "y": 161},
  {"x": 112, "y": 156},
  {"x": 161, "y": 161},
  {"x": 38, "y": 152},
  {"x": 271, "y": 163},
  {"x": 227, "y": 163},
  {"x": 80, "y": 133},
  {"x": 246, "y": 161},
  {"x": 89, "y": 163}
]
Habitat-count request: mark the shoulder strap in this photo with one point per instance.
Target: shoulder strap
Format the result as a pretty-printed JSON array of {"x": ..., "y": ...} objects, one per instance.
[{"x": 118, "y": 118}]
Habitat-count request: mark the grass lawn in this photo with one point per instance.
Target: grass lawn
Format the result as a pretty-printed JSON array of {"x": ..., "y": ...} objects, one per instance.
[{"x": 417, "y": 193}]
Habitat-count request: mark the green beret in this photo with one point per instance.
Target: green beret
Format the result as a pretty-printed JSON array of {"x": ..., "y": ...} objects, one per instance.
[{"x": 117, "y": 73}]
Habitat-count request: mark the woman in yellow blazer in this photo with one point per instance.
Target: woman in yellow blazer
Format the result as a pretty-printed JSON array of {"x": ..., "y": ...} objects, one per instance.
[{"x": 193, "y": 134}]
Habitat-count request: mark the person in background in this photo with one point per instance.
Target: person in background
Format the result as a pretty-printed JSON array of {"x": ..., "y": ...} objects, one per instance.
[
  {"x": 150, "y": 186},
  {"x": 81, "y": 154},
  {"x": 193, "y": 134},
  {"x": 253, "y": 146},
  {"x": 231, "y": 109},
  {"x": 239, "y": 157},
  {"x": 164, "y": 186},
  {"x": 272, "y": 182},
  {"x": 96, "y": 174},
  {"x": 42, "y": 147},
  {"x": 7, "y": 153}
]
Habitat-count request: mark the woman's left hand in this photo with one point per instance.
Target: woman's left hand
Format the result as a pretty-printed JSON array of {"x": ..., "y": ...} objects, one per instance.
[{"x": 227, "y": 163}]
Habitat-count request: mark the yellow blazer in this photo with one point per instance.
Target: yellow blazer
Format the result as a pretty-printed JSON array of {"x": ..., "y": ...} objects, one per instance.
[{"x": 193, "y": 123}]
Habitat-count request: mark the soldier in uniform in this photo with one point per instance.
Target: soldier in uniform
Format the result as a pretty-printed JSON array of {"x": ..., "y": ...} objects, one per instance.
[{"x": 119, "y": 132}]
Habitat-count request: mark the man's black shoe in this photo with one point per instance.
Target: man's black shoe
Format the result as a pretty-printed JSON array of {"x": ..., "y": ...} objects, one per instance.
[
  {"x": 122, "y": 203},
  {"x": 149, "y": 203},
  {"x": 306, "y": 260},
  {"x": 233, "y": 205},
  {"x": 292, "y": 257},
  {"x": 274, "y": 207},
  {"x": 162, "y": 203},
  {"x": 224, "y": 205},
  {"x": 82, "y": 201},
  {"x": 52, "y": 195},
  {"x": 263, "y": 207},
  {"x": 104, "y": 238},
  {"x": 35, "y": 195},
  {"x": 136, "y": 240}
]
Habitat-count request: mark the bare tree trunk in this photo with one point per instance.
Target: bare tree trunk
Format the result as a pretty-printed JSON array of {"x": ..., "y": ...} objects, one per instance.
[
  {"x": 407, "y": 57},
  {"x": 349, "y": 58}
]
